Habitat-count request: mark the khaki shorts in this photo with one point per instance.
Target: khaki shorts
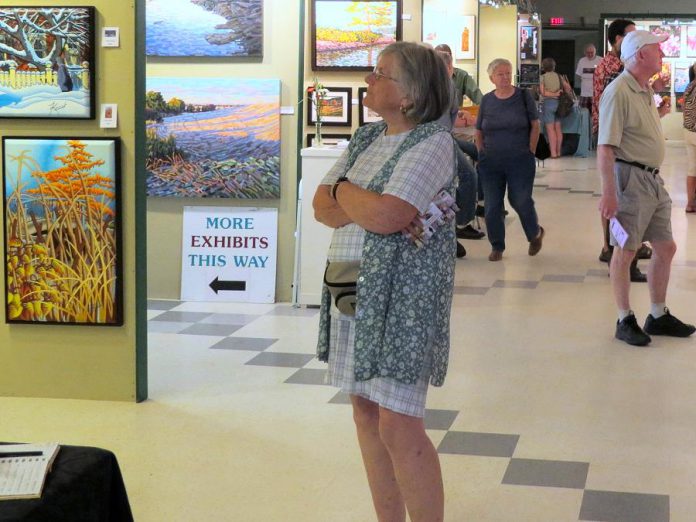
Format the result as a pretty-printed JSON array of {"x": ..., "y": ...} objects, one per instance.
[{"x": 645, "y": 208}]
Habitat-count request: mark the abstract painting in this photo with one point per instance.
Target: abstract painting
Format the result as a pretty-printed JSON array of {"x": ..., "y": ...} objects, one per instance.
[
  {"x": 466, "y": 38},
  {"x": 47, "y": 62},
  {"x": 204, "y": 28},
  {"x": 62, "y": 231},
  {"x": 691, "y": 41},
  {"x": 672, "y": 46},
  {"x": 349, "y": 35},
  {"x": 213, "y": 137}
]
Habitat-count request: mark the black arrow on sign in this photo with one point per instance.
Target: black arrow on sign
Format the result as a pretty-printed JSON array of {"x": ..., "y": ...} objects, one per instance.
[{"x": 235, "y": 286}]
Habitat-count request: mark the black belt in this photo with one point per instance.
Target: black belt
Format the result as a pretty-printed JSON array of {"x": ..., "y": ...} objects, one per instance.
[{"x": 651, "y": 170}]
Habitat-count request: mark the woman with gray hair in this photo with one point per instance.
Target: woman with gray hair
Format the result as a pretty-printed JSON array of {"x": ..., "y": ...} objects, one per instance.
[
  {"x": 507, "y": 131},
  {"x": 395, "y": 340}
]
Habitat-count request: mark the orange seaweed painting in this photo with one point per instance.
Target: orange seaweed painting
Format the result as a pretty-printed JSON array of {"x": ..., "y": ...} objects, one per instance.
[{"x": 62, "y": 231}]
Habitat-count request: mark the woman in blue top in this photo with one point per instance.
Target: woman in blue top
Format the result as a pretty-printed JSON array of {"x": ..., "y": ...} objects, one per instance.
[{"x": 507, "y": 131}]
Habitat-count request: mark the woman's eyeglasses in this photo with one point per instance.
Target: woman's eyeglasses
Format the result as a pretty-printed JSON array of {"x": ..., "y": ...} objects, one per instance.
[{"x": 378, "y": 74}]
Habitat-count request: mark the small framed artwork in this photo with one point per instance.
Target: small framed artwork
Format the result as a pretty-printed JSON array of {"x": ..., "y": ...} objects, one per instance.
[
  {"x": 681, "y": 76},
  {"x": 62, "y": 231},
  {"x": 336, "y": 108},
  {"x": 349, "y": 35},
  {"x": 365, "y": 114},
  {"x": 110, "y": 37},
  {"x": 691, "y": 41},
  {"x": 328, "y": 139},
  {"x": 466, "y": 39},
  {"x": 529, "y": 74},
  {"x": 109, "y": 116},
  {"x": 529, "y": 42},
  {"x": 47, "y": 65}
]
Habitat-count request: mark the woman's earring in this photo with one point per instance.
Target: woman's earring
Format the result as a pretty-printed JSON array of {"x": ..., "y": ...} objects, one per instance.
[{"x": 403, "y": 109}]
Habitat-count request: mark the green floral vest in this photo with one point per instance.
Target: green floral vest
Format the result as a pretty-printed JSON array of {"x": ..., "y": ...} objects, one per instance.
[{"x": 404, "y": 293}]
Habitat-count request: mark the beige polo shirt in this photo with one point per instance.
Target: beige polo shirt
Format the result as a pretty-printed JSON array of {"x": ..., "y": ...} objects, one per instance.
[{"x": 628, "y": 120}]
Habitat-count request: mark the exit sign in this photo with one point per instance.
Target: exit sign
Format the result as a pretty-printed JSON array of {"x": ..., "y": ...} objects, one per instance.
[{"x": 558, "y": 20}]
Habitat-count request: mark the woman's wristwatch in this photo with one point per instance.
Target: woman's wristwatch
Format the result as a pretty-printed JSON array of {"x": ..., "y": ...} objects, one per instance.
[{"x": 335, "y": 185}]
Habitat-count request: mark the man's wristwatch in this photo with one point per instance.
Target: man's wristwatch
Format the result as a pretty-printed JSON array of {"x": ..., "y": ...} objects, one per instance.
[{"x": 335, "y": 185}]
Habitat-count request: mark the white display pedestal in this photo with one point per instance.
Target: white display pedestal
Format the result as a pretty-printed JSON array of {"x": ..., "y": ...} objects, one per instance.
[{"x": 312, "y": 237}]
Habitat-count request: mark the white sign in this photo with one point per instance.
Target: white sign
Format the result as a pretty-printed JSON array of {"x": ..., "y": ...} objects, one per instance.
[
  {"x": 110, "y": 37},
  {"x": 109, "y": 116},
  {"x": 229, "y": 254}
]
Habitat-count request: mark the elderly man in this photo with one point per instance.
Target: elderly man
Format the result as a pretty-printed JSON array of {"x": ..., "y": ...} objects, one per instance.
[
  {"x": 630, "y": 150},
  {"x": 585, "y": 70}
]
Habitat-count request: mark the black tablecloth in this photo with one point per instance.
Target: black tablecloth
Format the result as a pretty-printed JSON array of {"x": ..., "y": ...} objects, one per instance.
[{"x": 84, "y": 485}]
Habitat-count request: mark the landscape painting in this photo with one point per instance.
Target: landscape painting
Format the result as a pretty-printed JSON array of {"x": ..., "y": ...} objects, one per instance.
[
  {"x": 213, "y": 137},
  {"x": 62, "y": 231},
  {"x": 204, "y": 28},
  {"x": 349, "y": 35},
  {"x": 47, "y": 62}
]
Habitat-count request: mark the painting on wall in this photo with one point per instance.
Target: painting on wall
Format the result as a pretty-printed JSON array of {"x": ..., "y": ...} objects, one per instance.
[
  {"x": 349, "y": 35},
  {"x": 529, "y": 42},
  {"x": 204, "y": 28},
  {"x": 672, "y": 46},
  {"x": 47, "y": 62},
  {"x": 529, "y": 75},
  {"x": 466, "y": 41},
  {"x": 213, "y": 137},
  {"x": 62, "y": 214},
  {"x": 365, "y": 114},
  {"x": 681, "y": 76},
  {"x": 336, "y": 108},
  {"x": 691, "y": 41}
]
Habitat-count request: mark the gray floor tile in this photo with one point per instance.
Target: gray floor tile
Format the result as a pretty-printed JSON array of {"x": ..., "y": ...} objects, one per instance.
[
  {"x": 340, "y": 398},
  {"x": 185, "y": 317},
  {"x": 252, "y": 344},
  {"x": 307, "y": 376},
  {"x": 548, "y": 473},
  {"x": 166, "y": 327},
  {"x": 292, "y": 311},
  {"x": 211, "y": 329},
  {"x": 562, "y": 278},
  {"x": 161, "y": 304},
  {"x": 471, "y": 290},
  {"x": 481, "y": 444},
  {"x": 501, "y": 283},
  {"x": 439, "y": 419},
  {"x": 283, "y": 360},
  {"x": 240, "y": 319},
  {"x": 610, "y": 506},
  {"x": 598, "y": 272}
]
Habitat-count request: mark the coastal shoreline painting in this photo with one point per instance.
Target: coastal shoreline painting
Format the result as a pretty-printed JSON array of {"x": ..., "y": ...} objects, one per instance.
[
  {"x": 204, "y": 28},
  {"x": 213, "y": 137},
  {"x": 62, "y": 231},
  {"x": 349, "y": 35},
  {"x": 47, "y": 62}
]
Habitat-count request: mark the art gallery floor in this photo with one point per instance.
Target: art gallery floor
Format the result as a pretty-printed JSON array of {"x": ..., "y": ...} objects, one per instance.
[{"x": 544, "y": 416}]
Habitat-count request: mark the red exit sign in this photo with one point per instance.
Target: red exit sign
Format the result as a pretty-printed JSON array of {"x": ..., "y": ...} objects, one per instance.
[{"x": 557, "y": 20}]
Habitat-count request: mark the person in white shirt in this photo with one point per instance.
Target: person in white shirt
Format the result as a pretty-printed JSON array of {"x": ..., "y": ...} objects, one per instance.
[{"x": 585, "y": 70}]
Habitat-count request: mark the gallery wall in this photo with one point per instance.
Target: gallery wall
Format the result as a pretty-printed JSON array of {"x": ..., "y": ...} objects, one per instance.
[
  {"x": 70, "y": 361},
  {"x": 497, "y": 39}
]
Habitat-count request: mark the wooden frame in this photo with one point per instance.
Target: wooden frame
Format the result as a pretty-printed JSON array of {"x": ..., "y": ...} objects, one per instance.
[
  {"x": 337, "y": 45},
  {"x": 365, "y": 114},
  {"x": 62, "y": 219},
  {"x": 48, "y": 67},
  {"x": 338, "y": 104}
]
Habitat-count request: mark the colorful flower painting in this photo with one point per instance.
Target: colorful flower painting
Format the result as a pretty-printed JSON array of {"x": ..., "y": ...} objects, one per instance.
[
  {"x": 62, "y": 231},
  {"x": 672, "y": 46},
  {"x": 204, "y": 28},
  {"x": 213, "y": 137},
  {"x": 47, "y": 62},
  {"x": 691, "y": 41}
]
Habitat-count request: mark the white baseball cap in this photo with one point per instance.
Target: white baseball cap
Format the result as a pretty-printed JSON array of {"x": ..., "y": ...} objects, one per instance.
[{"x": 634, "y": 40}]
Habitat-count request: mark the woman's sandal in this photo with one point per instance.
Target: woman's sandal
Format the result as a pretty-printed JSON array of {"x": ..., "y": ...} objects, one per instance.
[{"x": 690, "y": 210}]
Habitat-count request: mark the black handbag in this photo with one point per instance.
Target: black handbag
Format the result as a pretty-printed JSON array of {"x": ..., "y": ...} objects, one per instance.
[{"x": 542, "y": 151}]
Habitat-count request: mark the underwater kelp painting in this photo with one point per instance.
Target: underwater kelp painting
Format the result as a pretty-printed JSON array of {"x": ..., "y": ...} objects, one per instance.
[{"x": 62, "y": 231}]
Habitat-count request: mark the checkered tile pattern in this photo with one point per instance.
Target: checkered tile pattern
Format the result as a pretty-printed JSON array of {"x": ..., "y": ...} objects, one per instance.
[{"x": 600, "y": 506}]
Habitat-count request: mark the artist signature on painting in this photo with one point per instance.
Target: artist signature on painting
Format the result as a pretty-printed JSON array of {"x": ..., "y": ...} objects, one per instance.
[{"x": 54, "y": 107}]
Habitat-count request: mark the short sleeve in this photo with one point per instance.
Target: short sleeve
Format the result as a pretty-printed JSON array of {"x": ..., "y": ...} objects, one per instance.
[
  {"x": 532, "y": 112},
  {"x": 423, "y": 171},
  {"x": 612, "y": 118}
]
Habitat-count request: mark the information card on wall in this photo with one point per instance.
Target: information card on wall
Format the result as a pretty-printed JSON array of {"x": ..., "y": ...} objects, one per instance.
[{"x": 229, "y": 254}]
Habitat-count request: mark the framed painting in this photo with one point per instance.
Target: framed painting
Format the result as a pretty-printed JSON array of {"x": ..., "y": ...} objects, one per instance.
[
  {"x": 348, "y": 35},
  {"x": 691, "y": 41},
  {"x": 213, "y": 137},
  {"x": 672, "y": 46},
  {"x": 681, "y": 76},
  {"x": 365, "y": 114},
  {"x": 466, "y": 39},
  {"x": 529, "y": 74},
  {"x": 335, "y": 107},
  {"x": 529, "y": 42},
  {"x": 225, "y": 28},
  {"x": 47, "y": 62},
  {"x": 62, "y": 231},
  {"x": 328, "y": 139}
]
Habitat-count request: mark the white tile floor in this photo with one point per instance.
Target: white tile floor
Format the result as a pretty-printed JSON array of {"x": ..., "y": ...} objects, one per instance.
[{"x": 581, "y": 414}]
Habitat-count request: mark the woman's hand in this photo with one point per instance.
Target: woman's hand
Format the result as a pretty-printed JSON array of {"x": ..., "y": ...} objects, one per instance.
[{"x": 327, "y": 210}]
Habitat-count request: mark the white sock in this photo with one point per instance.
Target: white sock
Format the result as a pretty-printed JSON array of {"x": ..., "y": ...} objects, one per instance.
[
  {"x": 657, "y": 309},
  {"x": 623, "y": 314}
]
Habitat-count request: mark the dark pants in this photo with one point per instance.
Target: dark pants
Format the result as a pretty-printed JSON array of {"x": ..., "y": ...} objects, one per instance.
[{"x": 516, "y": 173}]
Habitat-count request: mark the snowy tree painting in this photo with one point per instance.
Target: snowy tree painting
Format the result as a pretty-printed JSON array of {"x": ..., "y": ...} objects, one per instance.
[{"x": 47, "y": 62}]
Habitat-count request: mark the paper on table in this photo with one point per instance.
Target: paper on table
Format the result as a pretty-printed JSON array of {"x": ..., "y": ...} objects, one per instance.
[
  {"x": 24, "y": 476},
  {"x": 618, "y": 232}
]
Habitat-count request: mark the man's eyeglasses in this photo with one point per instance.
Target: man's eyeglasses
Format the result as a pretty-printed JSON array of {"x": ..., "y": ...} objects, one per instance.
[{"x": 377, "y": 74}]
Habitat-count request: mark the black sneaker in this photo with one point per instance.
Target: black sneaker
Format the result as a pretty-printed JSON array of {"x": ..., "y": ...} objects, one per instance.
[
  {"x": 461, "y": 251},
  {"x": 469, "y": 232},
  {"x": 668, "y": 325},
  {"x": 605, "y": 255},
  {"x": 637, "y": 276},
  {"x": 629, "y": 331}
]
